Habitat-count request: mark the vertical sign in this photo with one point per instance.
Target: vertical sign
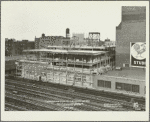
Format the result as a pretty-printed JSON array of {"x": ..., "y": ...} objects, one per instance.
[{"x": 138, "y": 54}]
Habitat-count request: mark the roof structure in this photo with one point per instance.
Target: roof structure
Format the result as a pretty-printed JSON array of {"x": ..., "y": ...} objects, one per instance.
[
  {"x": 79, "y": 52},
  {"x": 79, "y": 47},
  {"x": 94, "y": 33},
  {"x": 129, "y": 74}
]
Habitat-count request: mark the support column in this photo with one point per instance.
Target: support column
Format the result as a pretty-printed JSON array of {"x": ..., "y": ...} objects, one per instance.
[
  {"x": 82, "y": 71},
  {"x": 100, "y": 61},
  {"x": 66, "y": 70},
  {"x": 59, "y": 67},
  {"x": 53, "y": 65},
  {"x": 97, "y": 61},
  {"x": 47, "y": 66},
  {"x": 74, "y": 70},
  {"x": 92, "y": 68}
]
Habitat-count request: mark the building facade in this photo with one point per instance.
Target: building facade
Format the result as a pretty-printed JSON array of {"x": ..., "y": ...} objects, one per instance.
[
  {"x": 79, "y": 39},
  {"x": 13, "y": 47},
  {"x": 9, "y": 47},
  {"x": 45, "y": 41},
  {"x": 10, "y": 67},
  {"x": 131, "y": 29},
  {"x": 109, "y": 43}
]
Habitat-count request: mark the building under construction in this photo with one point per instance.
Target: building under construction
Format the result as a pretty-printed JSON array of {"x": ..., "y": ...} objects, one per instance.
[
  {"x": 80, "y": 68},
  {"x": 72, "y": 67}
]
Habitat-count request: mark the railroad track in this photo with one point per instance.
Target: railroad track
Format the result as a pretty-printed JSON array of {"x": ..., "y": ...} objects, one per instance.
[
  {"x": 71, "y": 95},
  {"x": 117, "y": 96},
  {"x": 97, "y": 105},
  {"x": 24, "y": 105},
  {"x": 45, "y": 98},
  {"x": 36, "y": 102},
  {"x": 123, "y": 103},
  {"x": 35, "y": 94},
  {"x": 41, "y": 95},
  {"x": 8, "y": 108},
  {"x": 18, "y": 108}
]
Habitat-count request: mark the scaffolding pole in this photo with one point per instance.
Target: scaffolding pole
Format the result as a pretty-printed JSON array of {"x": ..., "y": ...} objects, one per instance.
[
  {"x": 46, "y": 67},
  {"x": 92, "y": 68},
  {"x": 82, "y": 71},
  {"x": 66, "y": 70},
  {"x": 53, "y": 66},
  {"x": 74, "y": 71},
  {"x": 97, "y": 61},
  {"x": 16, "y": 70}
]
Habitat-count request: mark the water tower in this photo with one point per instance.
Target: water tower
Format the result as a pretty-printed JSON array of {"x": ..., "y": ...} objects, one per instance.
[
  {"x": 67, "y": 33},
  {"x": 43, "y": 35}
]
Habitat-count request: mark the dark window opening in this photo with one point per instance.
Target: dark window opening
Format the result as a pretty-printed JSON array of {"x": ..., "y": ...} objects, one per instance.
[
  {"x": 107, "y": 84},
  {"x": 128, "y": 87},
  {"x": 135, "y": 88},
  {"x": 102, "y": 83}
]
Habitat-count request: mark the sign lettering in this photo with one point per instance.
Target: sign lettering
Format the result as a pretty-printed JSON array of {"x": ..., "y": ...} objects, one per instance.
[{"x": 138, "y": 54}]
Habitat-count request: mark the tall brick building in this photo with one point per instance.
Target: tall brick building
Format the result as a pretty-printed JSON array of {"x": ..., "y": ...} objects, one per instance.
[{"x": 131, "y": 29}]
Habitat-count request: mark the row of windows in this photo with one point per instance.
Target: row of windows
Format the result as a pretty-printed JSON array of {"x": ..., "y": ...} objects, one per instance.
[
  {"x": 127, "y": 87},
  {"x": 120, "y": 86},
  {"x": 102, "y": 83}
]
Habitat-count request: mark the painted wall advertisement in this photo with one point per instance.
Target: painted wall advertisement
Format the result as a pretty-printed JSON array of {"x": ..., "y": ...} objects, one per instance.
[{"x": 138, "y": 54}]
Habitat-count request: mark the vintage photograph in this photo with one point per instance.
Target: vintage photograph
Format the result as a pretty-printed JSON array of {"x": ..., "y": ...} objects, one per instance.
[{"x": 74, "y": 56}]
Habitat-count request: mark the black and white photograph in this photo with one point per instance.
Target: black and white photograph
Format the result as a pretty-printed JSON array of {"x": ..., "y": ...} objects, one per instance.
[{"x": 74, "y": 60}]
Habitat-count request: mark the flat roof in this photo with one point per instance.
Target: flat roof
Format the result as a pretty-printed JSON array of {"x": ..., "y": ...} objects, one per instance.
[
  {"x": 79, "y": 52},
  {"x": 82, "y": 47},
  {"x": 139, "y": 74}
]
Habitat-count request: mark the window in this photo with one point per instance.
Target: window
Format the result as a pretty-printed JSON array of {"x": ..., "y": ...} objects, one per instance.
[
  {"x": 102, "y": 83},
  {"x": 119, "y": 86},
  {"x": 107, "y": 84},
  {"x": 127, "y": 87},
  {"x": 135, "y": 88},
  {"x": 125, "y": 65}
]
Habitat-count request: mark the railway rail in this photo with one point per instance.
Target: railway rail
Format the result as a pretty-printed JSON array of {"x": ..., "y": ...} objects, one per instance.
[
  {"x": 76, "y": 94},
  {"x": 35, "y": 102},
  {"x": 43, "y": 96},
  {"x": 12, "y": 106},
  {"x": 61, "y": 93},
  {"x": 118, "y": 96},
  {"x": 26, "y": 106}
]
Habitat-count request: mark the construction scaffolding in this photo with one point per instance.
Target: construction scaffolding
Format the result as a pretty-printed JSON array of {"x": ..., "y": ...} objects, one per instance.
[{"x": 71, "y": 67}]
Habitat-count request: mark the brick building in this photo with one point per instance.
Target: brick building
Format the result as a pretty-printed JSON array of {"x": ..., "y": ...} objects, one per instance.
[
  {"x": 45, "y": 41},
  {"x": 9, "y": 47},
  {"x": 79, "y": 39},
  {"x": 13, "y": 47},
  {"x": 131, "y": 29},
  {"x": 109, "y": 43}
]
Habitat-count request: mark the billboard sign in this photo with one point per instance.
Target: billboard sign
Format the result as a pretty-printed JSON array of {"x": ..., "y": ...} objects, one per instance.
[{"x": 138, "y": 54}]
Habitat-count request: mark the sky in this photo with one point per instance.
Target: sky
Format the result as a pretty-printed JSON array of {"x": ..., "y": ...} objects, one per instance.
[{"x": 27, "y": 19}]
